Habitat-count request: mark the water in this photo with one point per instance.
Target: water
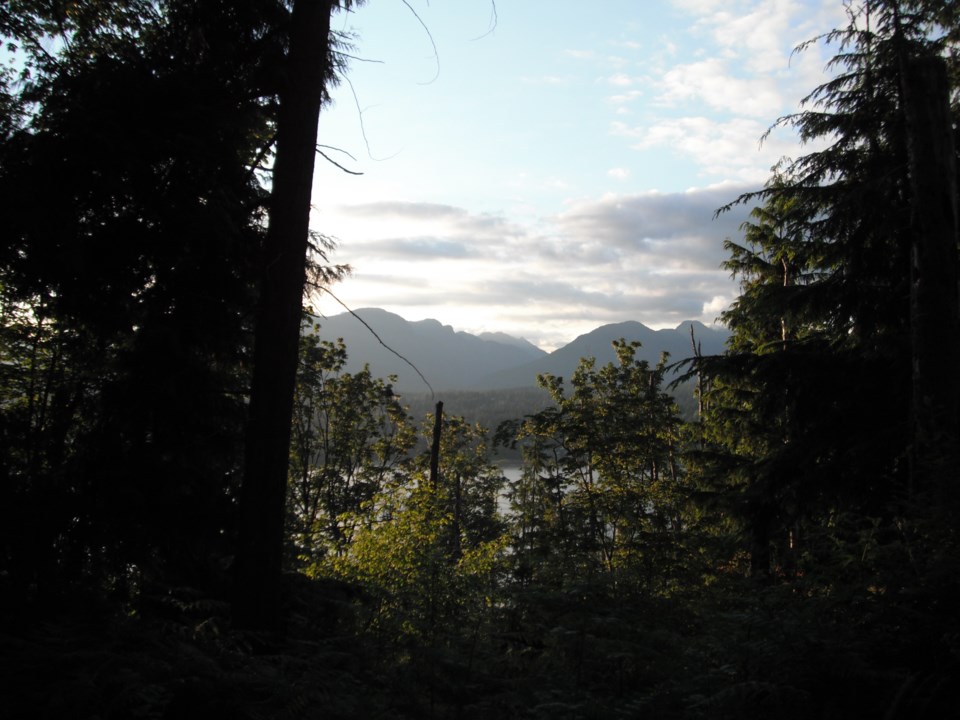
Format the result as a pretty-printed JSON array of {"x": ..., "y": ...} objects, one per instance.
[{"x": 512, "y": 473}]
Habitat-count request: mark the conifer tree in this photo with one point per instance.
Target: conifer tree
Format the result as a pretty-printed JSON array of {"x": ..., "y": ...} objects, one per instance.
[
  {"x": 134, "y": 215},
  {"x": 811, "y": 408}
]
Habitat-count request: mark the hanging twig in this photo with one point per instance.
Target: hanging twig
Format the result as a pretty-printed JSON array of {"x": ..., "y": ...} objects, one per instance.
[
  {"x": 433, "y": 44},
  {"x": 493, "y": 21}
]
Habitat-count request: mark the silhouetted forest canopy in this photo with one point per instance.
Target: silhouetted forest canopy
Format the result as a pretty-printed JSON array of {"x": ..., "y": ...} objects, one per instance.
[{"x": 202, "y": 514}]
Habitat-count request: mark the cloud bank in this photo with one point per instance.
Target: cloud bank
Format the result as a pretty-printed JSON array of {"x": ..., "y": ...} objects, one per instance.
[{"x": 650, "y": 257}]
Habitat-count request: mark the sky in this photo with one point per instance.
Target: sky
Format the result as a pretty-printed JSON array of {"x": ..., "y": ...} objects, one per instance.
[{"x": 544, "y": 167}]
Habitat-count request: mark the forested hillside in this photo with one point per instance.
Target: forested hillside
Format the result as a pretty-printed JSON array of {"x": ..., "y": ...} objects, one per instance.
[{"x": 204, "y": 513}]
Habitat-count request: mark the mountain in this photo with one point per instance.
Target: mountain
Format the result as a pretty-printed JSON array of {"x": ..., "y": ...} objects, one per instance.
[
  {"x": 505, "y": 339},
  {"x": 492, "y": 361},
  {"x": 448, "y": 359},
  {"x": 599, "y": 344}
]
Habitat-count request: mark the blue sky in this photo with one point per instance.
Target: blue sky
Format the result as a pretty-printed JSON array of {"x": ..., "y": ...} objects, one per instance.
[{"x": 559, "y": 170}]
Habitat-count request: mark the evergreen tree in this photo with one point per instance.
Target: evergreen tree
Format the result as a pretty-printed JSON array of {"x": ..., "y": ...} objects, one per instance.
[
  {"x": 823, "y": 319},
  {"x": 809, "y": 443},
  {"x": 136, "y": 138},
  {"x": 302, "y": 73},
  {"x": 134, "y": 219}
]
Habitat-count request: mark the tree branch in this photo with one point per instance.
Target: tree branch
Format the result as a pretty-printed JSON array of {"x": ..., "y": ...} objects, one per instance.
[{"x": 335, "y": 163}]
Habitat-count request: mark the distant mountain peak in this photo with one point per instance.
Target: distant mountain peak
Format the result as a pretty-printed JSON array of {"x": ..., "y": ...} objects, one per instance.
[
  {"x": 695, "y": 324},
  {"x": 504, "y": 339},
  {"x": 373, "y": 312},
  {"x": 598, "y": 344},
  {"x": 431, "y": 324},
  {"x": 460, "y": 360}
]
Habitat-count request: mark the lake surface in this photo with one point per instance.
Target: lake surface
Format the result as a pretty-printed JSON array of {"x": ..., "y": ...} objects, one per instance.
[{"x": 512, "y": 473}]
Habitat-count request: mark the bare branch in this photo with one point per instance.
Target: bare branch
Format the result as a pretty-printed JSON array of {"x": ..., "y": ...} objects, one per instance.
[
  {"x": 338, "y": 149},
  {"x": 493, "y": 21},
  {"x": 363, "y": 129},
  {"x": 257, "y": 164},
  {"x": 335, "y": 163},
  {"x": 436, "y": 54},
  {"x": 348, "y": 56}
]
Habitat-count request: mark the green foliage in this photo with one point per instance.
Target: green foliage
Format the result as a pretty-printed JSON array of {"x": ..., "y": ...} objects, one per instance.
[
  {"x": 428, "y": 559},
  {"x": 601, "y": 489},
  {"x": 349, "y": 437},
  {"x": 489, "y": 408},
  {"x": 420, "y": 585}
]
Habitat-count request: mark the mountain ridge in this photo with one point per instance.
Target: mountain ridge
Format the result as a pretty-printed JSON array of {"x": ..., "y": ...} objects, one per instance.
[{"x": 457, "y": 360}]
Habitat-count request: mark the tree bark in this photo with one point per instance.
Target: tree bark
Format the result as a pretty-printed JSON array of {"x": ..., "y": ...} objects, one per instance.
[
  {"x": 257, "y": 591},
  {"x": 934, "y": 312}
]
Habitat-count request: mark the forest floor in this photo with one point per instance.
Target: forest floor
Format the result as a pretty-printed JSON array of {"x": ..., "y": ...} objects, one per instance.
[{"x": 90, "y": 659}]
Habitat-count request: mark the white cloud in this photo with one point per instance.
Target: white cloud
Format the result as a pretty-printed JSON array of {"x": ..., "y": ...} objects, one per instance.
[
  {"x": 730, "y": 149},
  {"x": 710, "y": 81},
  {"x": 760, "y": 38},
  {"x": 618, "y": 173},
  {"x": 652, "y": 257},
  {"x": 626, "y": 97},
  {"x": 659, "y": 231},
  {"x": 735, "y": 78},
  {"x": 716, "y": 305},
  {"x": 620, "y": 80}
]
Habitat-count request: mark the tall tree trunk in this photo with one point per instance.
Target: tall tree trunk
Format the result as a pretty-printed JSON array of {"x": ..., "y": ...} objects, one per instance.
[
  {"x": 934, "y": 314},
  {"x": 257, "y": 593},
  {"x": 435, "y": 447}
]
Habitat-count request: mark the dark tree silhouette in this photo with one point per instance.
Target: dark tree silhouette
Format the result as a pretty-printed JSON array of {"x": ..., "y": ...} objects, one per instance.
[{"x": 304, "y": 73}]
